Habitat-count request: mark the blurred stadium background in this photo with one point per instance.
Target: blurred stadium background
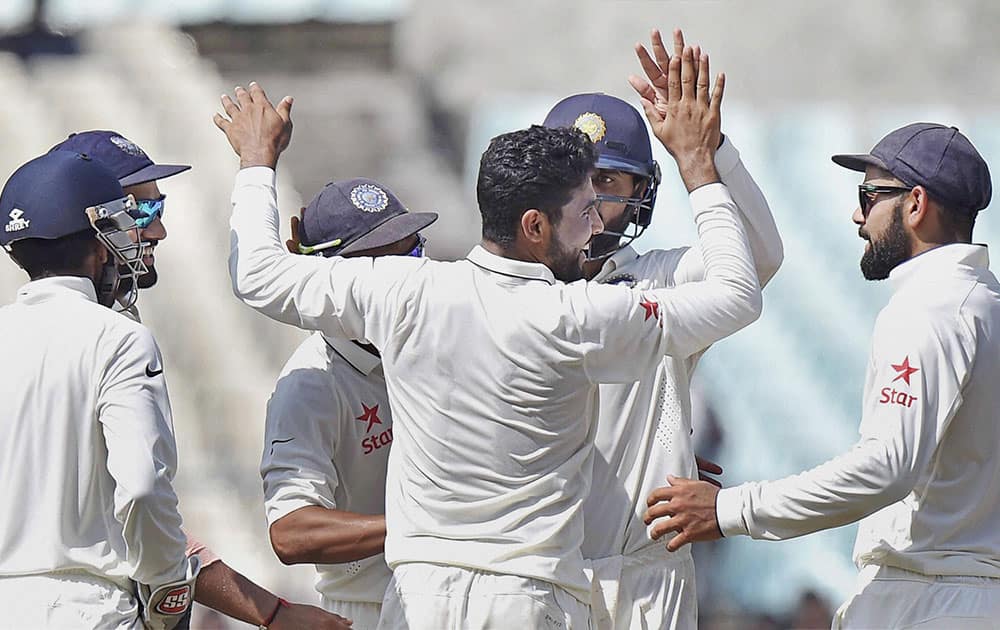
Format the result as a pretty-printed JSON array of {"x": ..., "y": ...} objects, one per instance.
[{"x": 409, "y": 92}]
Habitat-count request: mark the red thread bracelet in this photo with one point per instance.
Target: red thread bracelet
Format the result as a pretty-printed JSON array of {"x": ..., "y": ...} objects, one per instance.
[{"x": 274, "y": 613}]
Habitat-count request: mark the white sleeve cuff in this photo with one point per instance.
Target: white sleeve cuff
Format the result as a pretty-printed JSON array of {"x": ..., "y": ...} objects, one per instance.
[
  {"x": 726, "y": 158},
  {"x": 729, "y": 512},
  {"x": 709, "y": 197},
  {"x": 283, "y": 507},
  {"x": 255, "y": 176}
]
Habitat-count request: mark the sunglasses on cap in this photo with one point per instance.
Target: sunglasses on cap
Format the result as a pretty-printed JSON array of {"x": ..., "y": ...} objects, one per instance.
[
  {"x": 147, "y": 210},
  {"x": 868, "y": 192},
  {"x": 416, "y": 252}
]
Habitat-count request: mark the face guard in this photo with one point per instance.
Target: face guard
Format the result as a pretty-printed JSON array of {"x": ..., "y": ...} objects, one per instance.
[
  {"x": 638, "y": 209},
  {"x": 116, "y": 227}
]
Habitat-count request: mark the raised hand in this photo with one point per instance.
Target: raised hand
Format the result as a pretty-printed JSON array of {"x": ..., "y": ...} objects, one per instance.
[
  {"x": 690, "y": 508},
  {"x": 683, "y": 112},
  {"x": 257, "y": 130}
]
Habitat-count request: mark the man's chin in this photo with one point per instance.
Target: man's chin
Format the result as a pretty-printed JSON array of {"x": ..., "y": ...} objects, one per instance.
[{"x": 569, "y": 271}]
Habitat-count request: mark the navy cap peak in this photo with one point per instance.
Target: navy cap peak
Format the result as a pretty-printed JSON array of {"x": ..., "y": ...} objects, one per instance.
[{"x": 126, "y": 159}]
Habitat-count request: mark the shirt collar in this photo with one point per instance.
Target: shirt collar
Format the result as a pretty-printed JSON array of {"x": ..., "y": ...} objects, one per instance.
[
  {"x": 359, "y": 358},
  {"x": 620, "y": 258},
  {"x": 510, "y": 267},
  {"x": 38, "y": 291},
  {"x": 943, "y": 258}
]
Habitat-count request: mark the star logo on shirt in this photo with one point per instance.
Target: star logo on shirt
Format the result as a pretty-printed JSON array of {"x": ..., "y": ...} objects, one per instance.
[
  {"x": 370, "y": 416},
  {"x": 651, "y": 307},
  {"x": 903, "y": 370}
]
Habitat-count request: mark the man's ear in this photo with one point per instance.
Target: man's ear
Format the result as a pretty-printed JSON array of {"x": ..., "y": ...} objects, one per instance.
[
  {"x": 535, "y": 226},
  {"x": 915, "y": 214}
]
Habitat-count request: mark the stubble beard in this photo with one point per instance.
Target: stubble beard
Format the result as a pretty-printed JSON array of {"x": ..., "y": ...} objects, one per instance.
[{"x": 565, "y": 264}]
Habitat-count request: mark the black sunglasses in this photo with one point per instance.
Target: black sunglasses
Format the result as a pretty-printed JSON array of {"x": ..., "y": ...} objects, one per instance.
[{"x": 867, "y": 193}]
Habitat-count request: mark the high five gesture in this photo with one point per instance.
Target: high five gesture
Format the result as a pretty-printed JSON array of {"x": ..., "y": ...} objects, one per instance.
[{"x": 682, "y": 111}]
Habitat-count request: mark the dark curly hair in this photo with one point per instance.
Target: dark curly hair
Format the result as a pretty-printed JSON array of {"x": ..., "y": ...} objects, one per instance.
[{"x": 537, "y": 167}]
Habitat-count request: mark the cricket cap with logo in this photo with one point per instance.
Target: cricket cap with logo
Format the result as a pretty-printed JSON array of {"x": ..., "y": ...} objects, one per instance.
[
  {"x": 937, "y": 157},
  {"x": 356, "y": 215},
  {"x": 125, "y": 159},
  {"x": 617, "y": 128},
  {"x": 47, "y": 198}
]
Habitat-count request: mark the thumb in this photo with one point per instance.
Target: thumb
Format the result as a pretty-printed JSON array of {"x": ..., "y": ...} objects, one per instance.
[
  {"x": 653, "y": 115},
  {"x": 643, "y": 88},
  {"x": 285, "y": 108}
]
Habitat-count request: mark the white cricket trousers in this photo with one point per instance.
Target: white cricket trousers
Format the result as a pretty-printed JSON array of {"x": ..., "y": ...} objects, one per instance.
[
  {"x": 652, "y": 589},
  {"x": 66, "y": 600},
  {"x": 895, "y": 599},
  {"x": 424, "y": 596},
  {"x": 365, "y": 615}
]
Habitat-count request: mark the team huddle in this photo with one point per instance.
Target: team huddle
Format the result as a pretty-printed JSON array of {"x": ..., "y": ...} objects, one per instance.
[{"x": 503, "y": 441}]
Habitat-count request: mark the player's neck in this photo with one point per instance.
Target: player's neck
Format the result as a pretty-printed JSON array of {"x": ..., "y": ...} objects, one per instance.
[{"x": 513, "y": 251}]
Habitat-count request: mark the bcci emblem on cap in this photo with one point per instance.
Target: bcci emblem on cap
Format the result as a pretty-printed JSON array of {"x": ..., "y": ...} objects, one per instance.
[
  {"x": 126, "y": 145},
  {"x": 369, "y": 198},
  {"x": 592, "y": 125}
]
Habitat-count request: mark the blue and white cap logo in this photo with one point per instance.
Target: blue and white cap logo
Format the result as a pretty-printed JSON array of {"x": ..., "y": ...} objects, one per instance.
[
  {"x": 17, "y": 221},
  {"x": 126, "y": 145},
  {"x": 369, "y": 198}
]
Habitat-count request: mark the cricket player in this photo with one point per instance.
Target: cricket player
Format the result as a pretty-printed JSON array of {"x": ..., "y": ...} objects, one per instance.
[
  {"x": 138, "y": 175},
  {"x": 492, "y": 362},
  {"x": 329, "y": 424},
  {"x": 644, "y": 430},
  {"x": 924, "y": 478},
  {"x": 219, "y": 586},
  {"x": 91, "y": 537}
]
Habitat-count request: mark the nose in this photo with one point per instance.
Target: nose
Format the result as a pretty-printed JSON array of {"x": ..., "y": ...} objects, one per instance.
[
  {"x": 155, "y": 231},
  {"x": 858, "y": 217},
  {"x": 596, "y": 223}
]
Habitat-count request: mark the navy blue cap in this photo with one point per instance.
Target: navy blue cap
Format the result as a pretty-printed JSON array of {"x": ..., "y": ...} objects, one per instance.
[
  {"x": 358, "y": 214},
  {"x": 125, "y": 159},
  {"x": 617, "y": 128},
  {"x": 48, "y": 197},
  {"x": 937, "y": 157}
]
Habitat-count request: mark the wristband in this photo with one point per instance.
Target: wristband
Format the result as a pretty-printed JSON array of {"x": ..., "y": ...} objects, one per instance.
[{"x": 274, "y": 613}]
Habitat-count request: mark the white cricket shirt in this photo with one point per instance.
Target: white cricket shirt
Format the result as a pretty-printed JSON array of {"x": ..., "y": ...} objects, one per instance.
[
  {"x": 87, "y": 450},
  {"x": 491, "y": 368},
  {"x": 326, "y": 443},
  {"x": 925, "y": 477},
  {"x": 644, "y": 431}
]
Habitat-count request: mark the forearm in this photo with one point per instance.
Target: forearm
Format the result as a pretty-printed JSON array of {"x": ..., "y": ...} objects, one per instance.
[
  {"x": 302, "y": 291},
  {"x": 762, "y": 232},
  {"x": 256, "y": 255},
  {"x": 141, "y": 458},
  {"x": 698, "y": 314},
  {"x": 318, "y": 535},
  {"x": 146, "y": 506},
  {"x": 222, "y": 588},
  {"x": 843, "y": 490},
  {"x": 153, "y": 540}
]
